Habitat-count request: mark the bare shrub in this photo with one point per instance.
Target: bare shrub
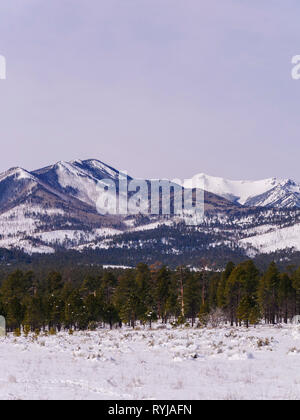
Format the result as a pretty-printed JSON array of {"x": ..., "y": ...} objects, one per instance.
[{"x": 216, "y": 318}]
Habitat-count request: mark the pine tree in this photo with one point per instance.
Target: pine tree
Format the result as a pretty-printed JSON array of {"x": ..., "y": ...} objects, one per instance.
[
  {"x": 181, "y": 275},
  {"x": 192, "y": 297},
  {"x": 15, "y": 311},
  {"x": 248, "y": 311},
  {"x": 296, "y": 286},
  {"x": 14, "y": 290},
  {"x": 286, "y": 297},
  {"x": 242, "y": 283},
  {"x": 110, "y": 315},
  {"x": 108, "y": 287},
  {"x": 89, "y": 286},
  {"x": 144, "y": 291},
  {"x": 34, "y": 314},
  {"x": 54, "y": 282},
  {"x": 268, "y": 293},
  {"x": 173, "y": 306},
  {"x": 221, "y": 296},
  {"x": 126, "y": 299},
  {"x": 75, "y": 311},
  {"x": 162, "y": 286}
]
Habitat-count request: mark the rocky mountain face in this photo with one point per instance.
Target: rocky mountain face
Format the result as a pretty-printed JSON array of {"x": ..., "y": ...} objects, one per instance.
[{"x": 57, "y": 208}]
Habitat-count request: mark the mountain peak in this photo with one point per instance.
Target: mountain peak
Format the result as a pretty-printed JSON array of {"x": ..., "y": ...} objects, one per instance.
[
  {"x": 97, "y": 168},
  {"x": 269, "y": 192},
  {"x": 17, "y": 172}
]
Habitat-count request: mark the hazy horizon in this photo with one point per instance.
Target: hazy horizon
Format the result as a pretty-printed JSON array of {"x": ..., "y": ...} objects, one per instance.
[{"x": 160, "y": 89}]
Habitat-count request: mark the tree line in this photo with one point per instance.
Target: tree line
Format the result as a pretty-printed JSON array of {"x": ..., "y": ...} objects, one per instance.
[{"x": 241, "y": 294}]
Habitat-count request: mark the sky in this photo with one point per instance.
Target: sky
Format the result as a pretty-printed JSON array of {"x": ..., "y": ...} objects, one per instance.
[{"x": 160, "y": 88}]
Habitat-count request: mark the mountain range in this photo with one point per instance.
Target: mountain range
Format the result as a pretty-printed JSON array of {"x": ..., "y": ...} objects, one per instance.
[{"x": 54, "y": 209}]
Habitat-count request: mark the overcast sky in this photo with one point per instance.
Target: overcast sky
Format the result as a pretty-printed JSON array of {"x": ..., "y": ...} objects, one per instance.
[{"x": 161, "y": 88}]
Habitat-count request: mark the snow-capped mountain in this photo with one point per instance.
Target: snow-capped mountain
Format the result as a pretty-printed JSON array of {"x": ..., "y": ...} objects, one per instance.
[
  {"x": 57, "y": 208},
  {"x": 79, "y": 179},
  {"x": 271, "y": 192}
]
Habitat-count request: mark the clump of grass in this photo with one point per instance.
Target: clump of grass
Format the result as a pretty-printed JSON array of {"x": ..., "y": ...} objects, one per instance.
[
  {"x": 26, "y": 330},
  {"x": 263, "y": 342},
  {"x": 17, "y": 332},
  {"x": 52, "y": 331},
  {"x": 231, "y": 334},
  {"x": 294, "y": 350}
]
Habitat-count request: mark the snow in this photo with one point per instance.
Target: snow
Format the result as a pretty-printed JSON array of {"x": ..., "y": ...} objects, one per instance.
[
  {"x": 124, "y": 267},
  {"x": 24, "y": 219},
  {"x": 84, "y": 185},
  {"x": 104, "y": 244},
  {"x": 241, "y": 191},
  {"x": 106, "y": 232},
  {"x": 278, "y": 239},
  {"x": 15, "y": 221},
  {"x": 21, "y": 222},
  {"x": 87, "y": 187},
  {"x": 152, "y": 226},
  {"x": 102, "y": 167},
  {"x": 25, "y": 245},
  {"x": 18, "y": 173},
  {"x": 75, "y": 236},
  {"x": 163, "y": 363}
]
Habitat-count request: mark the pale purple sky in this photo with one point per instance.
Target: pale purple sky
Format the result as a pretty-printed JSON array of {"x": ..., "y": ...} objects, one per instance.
[{"x": 161, "y": 88}]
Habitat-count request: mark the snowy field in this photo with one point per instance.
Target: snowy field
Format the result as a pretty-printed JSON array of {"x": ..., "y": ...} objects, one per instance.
[{"x": 223, "y": 363}]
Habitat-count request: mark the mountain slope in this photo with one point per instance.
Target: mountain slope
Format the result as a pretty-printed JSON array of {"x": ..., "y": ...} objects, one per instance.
[
  {"x": 82, "y": 180},
  {"x": 271, "y": 192}
]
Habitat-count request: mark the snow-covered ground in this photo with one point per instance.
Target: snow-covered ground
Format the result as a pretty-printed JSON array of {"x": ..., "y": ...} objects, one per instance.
[{"x": 222, "y": 363}]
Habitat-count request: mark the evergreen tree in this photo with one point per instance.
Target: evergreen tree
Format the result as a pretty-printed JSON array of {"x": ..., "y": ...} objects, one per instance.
[
  {"x": 162, "y": 287},
  {"x": 173, "y": 306},
  {"x": 75, "y": 312},
  {"x": 221, "y": 296},
  {"x": 296, "y": 286},
  {"x": 54, "y": 282},
  {"x": 286, "y": 297},
  {"x": 268, "y": 293},
  {"x": 126, "y": 299},
  {"x": 34, "y": 314},
  {"x": 192, "y": 297},
  {"x": 144, "y": 290},
  {"x": 89, "y": 286},
  {"x": 242, "y": 283}
]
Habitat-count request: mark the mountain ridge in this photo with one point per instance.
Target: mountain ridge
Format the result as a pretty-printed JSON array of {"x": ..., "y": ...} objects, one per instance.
[
  {"x": 55, "y": 208},
  {"x": 269, "y": 192}
]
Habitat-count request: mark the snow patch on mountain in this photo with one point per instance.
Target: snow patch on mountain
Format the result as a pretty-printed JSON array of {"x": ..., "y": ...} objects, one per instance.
[
  {"x": 25, "y": 245},
  {"x": 71, "y": 238},
  {"x": 96, "y": 168},
  {"x": 278, "y": 239},
  {"x": 152, "y": 226},
  {"x": 24, "y": 219}
]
